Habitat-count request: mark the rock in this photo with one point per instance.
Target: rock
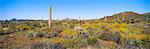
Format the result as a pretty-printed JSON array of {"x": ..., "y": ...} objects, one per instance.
[{"x": 11, "y": 36}]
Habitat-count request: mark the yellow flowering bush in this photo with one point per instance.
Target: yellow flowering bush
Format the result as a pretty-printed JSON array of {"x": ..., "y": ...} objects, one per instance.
[
  {"x": 133, "y": 36},
  {"x": 122, "y": 27},
  {"x": 93, "y": 25},
  {"x": 68, "y": 32},
  {"x": 136, "y": 36},
  {"x": 1, "y": 29},
  {"x": 134, "y": 30},
  {"x": 6, "y": 28},
  {"x": 19, "y": 26},
  {"x": 119, "y": 27},
  {"x": 31, "y": 31},
  {"x": 114, "y": 26}
]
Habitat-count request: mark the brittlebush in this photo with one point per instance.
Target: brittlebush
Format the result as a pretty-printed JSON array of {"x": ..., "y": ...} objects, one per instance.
[
  {"x": 93, "y": 25},
  {"x": 68, "y": 32},
  {"x": 6, "y": 28},
  {"x": 122, "y": 27},
  {"x": 133, "y": 36},
  {"x": 1, "y": 29},
  {"x": 19, "y": 26},
  {"x": 116, "y": 27}
]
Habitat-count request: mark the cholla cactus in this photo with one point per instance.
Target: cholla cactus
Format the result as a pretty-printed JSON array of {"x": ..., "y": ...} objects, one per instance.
[{"x": 49, "y": 18}]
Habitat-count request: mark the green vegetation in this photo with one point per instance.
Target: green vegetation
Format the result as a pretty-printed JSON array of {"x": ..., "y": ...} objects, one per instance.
[{"x": 126, "y": 30}]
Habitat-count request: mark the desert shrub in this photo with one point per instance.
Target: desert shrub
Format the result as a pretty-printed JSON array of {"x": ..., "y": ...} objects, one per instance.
[
  {"x": 116, "y": 27},
  {"x": 58, "y": 30},
  {"x": 46, "y": 46},
  {"x": 32, "y": 31},
  {"x": 22, "y": 27},
  {"x": 6, "y": 28},
  {"x": 1, "y": 29},
  {"x": 93, "y": 25},
  {"x": 122, "y": 27},
  {"x": 146, "y": 44},
  {"x": 35, "y": 35},
  {"x": 76, "y": 42},
  {"x": 30, "y": 35},
  {"x": 19, "y": 26},
  {"x": 52, "y": 35},
  {"x": 133, "y": 36},
  {"x": 133, "y": 44},
  {"x": 68, "y": 33},
  {"x": 55, "y": 40},
  {"x": 39, "y": 46},
  {"x": 146, "y": 31},
  {"x": 135, "y": 30},
  {"x": 136, "y": 42},
  {"x": 92, "y": 41},
  {"x": 39, "y": 35},
  {"x": 57, "y": 46},
  {"x": 83, "y": 35},
  {"x": 108, "y": 36},
  {"x": 6, "y": 32}
]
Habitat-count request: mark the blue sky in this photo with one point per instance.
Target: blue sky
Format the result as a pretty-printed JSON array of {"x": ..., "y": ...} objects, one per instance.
[{"x": 85, "y": 9}]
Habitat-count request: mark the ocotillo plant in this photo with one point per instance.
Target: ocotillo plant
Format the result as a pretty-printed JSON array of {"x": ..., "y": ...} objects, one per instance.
[{"x": 49, "y": 18}]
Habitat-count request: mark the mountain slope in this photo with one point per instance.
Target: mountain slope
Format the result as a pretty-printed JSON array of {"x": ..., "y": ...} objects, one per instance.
[{"x": 125, "y": 16}]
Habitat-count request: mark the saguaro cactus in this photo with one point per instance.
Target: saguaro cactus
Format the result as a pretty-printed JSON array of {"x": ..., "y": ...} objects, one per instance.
[
  {"x": 49, "y": 18},
  {"x": 123, "y": 15},
  {"x": 118, "y": 18},
  {"x": 105, "y": 19}
]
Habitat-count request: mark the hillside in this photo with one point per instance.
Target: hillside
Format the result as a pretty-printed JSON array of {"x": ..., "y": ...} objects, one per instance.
[
  {"x": 148, "y": 13},
  {"x": 127, "y": 17}
]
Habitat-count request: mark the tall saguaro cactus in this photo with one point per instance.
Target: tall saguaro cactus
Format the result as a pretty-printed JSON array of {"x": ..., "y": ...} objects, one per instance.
[
  {"x": 105, "y": 19},
  {"x": 49, "y": 18},
  {"x": 118, "y": 18},
  {"x": 123, "y": 16}
]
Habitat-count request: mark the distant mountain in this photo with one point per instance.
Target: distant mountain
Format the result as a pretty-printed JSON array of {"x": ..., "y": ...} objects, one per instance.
[
  {"x": 148, "y": 13},
  {"x": 123, "y": 15},
  {"x": 128, "y": 17}
]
